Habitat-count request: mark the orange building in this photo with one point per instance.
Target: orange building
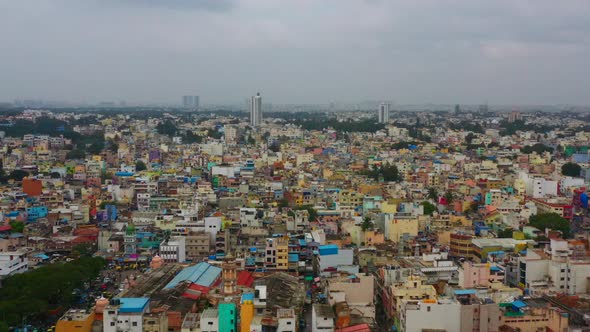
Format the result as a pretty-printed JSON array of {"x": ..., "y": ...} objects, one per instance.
[
  {"x": 75, "y": 321},
  {"x": 32, "y": 187}
]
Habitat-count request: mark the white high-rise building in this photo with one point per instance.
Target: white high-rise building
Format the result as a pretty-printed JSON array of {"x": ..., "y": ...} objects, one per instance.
[
  {"x": 191, "y": 102},
  {"x": 256, "y": 110},
  {"x": 383, "y": 113}
]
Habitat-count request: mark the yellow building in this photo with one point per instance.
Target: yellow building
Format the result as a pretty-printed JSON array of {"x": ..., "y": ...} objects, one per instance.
[
  {"x": 246, "y": 315},
  {"x": 282, "y": 247},
  {"x": 400, "y": 225},
  {"x": 350, "y": 198},
  {"x": 412, "y": 289},
  {"x": 75, "y": 321},
  {"x": 388, "y": 207}
]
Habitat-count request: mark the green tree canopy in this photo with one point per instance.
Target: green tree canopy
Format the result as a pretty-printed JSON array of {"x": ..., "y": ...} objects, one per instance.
[
  {"x": 506, "y": 233},
  {"x": 17, "y": 226},
  {"x": 29, "y": 295},
  {"x": 140, "y": 166},
  {"x": 571, "y": 169},
  {"x": 552, "y": 221},
  {"x": 429, "y": 208},
  {"x": 367, "y": 224},
  {"x": 18, "y": 174}
]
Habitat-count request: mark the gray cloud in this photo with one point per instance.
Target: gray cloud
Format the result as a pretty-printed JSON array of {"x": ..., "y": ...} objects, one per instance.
[
  {"x": 450, "y": 51},
  {"x": 209, "y": 5}
]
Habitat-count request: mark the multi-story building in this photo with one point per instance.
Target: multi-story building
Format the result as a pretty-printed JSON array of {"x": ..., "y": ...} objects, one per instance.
[
  {"x": 174, "y": 250},
  {"x": 198, "y": 246},
  {"x": 383, "y": 113},
  {"x": 125, "y": 314},
  {"x": 256, "y": 110},
  {"x": 13, "y": 262}
]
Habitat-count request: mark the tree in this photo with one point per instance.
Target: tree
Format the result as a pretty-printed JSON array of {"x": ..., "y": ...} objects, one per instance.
[
  {"x": 84, "y": 250},
  {"x": 367, "y": 224},
  {"x": 76, "y": 154},
  {"x": 429, "y": 208},
  {"x": 167, "y": 128},
  {"x": 552, "y": 221},
  {"x": 251, "y": 140},
  {"x": 313, "y": 213},
  {"x": 538, "y": 148},
  {"x": 449, "y": 197},
  {"x": 275, "y": 147},
  {"x": 140, "y": 166},
  {"x": 506, "y": 233},
  {"x": 432, "y": 194},
  {"x": 17, "y": 226},
  {"x": 390, "y": 173},
  {"x": 571, "y": 169},
  {"x": 96, "y": 147},
  {"x": 18, "y": 174}
]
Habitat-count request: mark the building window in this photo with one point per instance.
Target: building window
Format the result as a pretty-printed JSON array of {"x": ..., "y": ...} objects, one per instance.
[
  {"x": 134, "y": 324},
  {"x": 112, "y": 323}
]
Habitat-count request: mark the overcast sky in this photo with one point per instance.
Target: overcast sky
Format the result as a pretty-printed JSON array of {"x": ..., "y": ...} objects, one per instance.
[{"x": 297, "y": 51}]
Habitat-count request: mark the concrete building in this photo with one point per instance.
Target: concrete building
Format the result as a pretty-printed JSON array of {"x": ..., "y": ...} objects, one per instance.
[
  {"x": 75, "y": 320},
  {"x": 13, "y": 262},
  {"x": 191, "y": 102},
  {"x": 125, "y": 314},
  {"x": 227, "y": 317},
  {"x": 384, "y": 113},
  {"x": 210, "y": 320},
  {"x": 286, "y": 320},
  {"x": 256, "y": 110},
  {"x": 322, "y": 318},
  {"x": 174, "y": 250},
  {"x": 198, "y": 245}
]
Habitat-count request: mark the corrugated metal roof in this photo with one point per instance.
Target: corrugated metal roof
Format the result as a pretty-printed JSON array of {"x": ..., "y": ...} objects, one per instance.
[
  {"x": 203, "y": 274},
  {"x": 133, "y": 304}
]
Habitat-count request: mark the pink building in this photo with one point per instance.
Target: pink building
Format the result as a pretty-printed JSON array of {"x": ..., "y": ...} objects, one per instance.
[{"x": 482, "y": 274}]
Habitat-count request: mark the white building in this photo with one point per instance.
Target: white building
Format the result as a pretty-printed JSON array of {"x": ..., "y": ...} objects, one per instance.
[
  {"x": 384, "y": 113},
  {"x": 248, "y": 218},
  {"x": 256, "y": 110},
  {"x": 210, "y": 320},
  {"x": 13, "y": 262},
  {"x": 174, "y": 251},
  {"x": 286, "y": 320},
  {"x": 322, "y": 318},
  {"x": 125, "y": 314}
]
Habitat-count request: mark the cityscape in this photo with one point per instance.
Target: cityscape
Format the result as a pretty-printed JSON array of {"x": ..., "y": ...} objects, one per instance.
[{"x": 294, "y": 166}]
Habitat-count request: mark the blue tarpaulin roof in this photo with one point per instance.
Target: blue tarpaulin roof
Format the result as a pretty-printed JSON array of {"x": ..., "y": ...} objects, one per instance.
[
  {"x": 464, "y": 291},
  {"x": 133, "y": 304},
  {"x": 519, "y": 304},
  {"x": 203, "y": 274}
]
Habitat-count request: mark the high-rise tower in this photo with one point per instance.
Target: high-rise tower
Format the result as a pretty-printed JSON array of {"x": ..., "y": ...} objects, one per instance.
[
  {"x": 383, "y": 113},
  {"x": 256, "y": 110}
]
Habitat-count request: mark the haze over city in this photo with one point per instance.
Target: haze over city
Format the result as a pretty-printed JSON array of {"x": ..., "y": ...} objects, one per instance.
[{"x": 305, "y": 51}]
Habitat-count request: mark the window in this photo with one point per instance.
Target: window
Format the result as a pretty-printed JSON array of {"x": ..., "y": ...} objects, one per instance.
[
  {"x": 210, "y": 323},
  {"x": 112, "y": 323},
  {"x": 428, "y": 308},
  {"x": 134, "y": 324}
]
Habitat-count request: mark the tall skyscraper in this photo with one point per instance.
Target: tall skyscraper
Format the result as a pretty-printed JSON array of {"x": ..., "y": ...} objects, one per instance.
[
  {"x": 190, "y": 102},
  {"x": 256, "y": 110},
  {"x": 383, "y": 113}
]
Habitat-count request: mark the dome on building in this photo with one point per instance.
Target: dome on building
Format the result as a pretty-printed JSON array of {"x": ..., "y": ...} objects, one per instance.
[
  {"x": 156, "y": 262},
  {"x": 101, "y": 303}
]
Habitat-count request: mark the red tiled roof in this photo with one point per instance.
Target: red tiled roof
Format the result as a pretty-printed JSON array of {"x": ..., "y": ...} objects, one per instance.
[{"x": 245, "y": 279}]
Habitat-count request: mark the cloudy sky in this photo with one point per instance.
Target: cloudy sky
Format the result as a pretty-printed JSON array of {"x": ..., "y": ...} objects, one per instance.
[{"x": 297, "y": 51}]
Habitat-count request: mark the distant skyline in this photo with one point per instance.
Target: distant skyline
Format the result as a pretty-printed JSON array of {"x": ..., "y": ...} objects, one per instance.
[{"x": 501, "y": 52}]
